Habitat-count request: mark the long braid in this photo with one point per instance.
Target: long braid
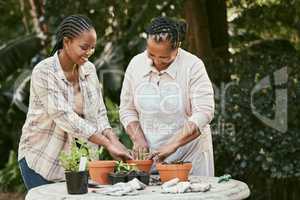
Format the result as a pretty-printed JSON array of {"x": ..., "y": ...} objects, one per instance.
[
  {"x": 71, "y": 27},
  {"x": 163, "y": 28}
]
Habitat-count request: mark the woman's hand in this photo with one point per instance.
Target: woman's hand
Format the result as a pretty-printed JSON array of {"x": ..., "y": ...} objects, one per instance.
[
  {"x": 140, "y": 147},
  {"x": 118, "y": 150},
  {"x": 188, "y": 133},
  {"x": 163, "y": 152},
  {"x": 137, "y": 137},
  {"x": 114, "y": 138},
  {"x": 118, "y": 153}
]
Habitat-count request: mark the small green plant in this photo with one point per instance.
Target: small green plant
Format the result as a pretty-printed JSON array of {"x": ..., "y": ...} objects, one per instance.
[
  {"x": 122, "y": 167},
  {"x": 114, "y": 120},
  {"x": 10, "y": 175},
  {"x": 100, "y": 154},
  {"x": 70, "y": 161},
  {"x": 112, "y": 112},
  {"x": 140, "y": 154}
]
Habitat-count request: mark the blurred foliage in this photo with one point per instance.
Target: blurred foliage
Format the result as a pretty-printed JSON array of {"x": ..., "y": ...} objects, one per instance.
[
  {"x": 251, "y": 150},
  {"x": 264, "y": 19},
  {"x": 17, "y": 52},
  {"x": 10, "y": 175},
  {"x": 264, "y": 37},
  {"x": 11, "y": 21},
  {"x": 113, "y": 116},
  {"x": 260, "y": 49}
]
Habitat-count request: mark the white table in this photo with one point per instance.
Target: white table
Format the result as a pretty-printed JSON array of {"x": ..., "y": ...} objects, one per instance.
[{"x": 231, "y": 190}]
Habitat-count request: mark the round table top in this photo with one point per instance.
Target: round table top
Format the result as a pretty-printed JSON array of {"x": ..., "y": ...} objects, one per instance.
[{"x": 231, "y": 190}]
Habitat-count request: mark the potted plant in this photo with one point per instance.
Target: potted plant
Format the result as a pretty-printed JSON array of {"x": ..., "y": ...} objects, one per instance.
[
  {"x": 125, "y": 172},
  {"x": 77, "y": 181},
  {"x": 140, "y": 158},
  {"x": 142, "y": 176},
  {"x": 121, "y": 171},
  {"x": 99, "y": 168},
  {"x": 176, "y": 169}
]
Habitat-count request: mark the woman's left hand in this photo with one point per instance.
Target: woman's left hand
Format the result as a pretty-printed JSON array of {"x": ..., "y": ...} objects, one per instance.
[
  {"x": 163, "y": 152},
  {"x": 119, "y": 144},
  {"x": 115, "y": 140},
  {"x": 117, "y": 153}
]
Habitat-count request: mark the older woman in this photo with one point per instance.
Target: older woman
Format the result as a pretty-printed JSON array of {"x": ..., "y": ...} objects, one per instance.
[{"x": 167, "y": 100}]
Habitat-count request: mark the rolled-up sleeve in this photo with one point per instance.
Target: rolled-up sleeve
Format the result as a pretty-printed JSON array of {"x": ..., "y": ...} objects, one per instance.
[
  {"x": 128, "y": 112},
  {"x": 201, "y": 96},
  {"x": 48, "y": 92}
]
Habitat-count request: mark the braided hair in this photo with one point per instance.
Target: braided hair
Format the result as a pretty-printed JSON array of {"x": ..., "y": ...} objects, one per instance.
[
  {"x": 71, "y": 27},
  {"x": 166, "y": 29}
]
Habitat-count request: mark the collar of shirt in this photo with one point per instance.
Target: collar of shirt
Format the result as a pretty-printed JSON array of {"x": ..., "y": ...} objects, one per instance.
[
  {"x": 83, "y": 71},
  {"x": 171, "y": 70}
]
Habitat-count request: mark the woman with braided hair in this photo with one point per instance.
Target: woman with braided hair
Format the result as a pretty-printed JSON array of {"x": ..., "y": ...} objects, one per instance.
[
  {"x": 167, "y": 100},
  {"x": 65, "y": 103}
]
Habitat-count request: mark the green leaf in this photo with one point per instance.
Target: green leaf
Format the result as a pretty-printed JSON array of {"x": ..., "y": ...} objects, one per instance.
[{"x": 17, "y": 52}]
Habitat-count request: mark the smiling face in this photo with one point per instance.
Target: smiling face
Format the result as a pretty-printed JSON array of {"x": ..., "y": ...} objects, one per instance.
[
  {"x": 80, "y": 48},
  {"x": 161, "y": 53}
]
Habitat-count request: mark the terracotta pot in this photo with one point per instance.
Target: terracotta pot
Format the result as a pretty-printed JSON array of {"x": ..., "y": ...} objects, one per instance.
[
  {"x": 170, "y": 171},
  {"x": 142, "y": 165},
  {"x": 99, "y": 170}
]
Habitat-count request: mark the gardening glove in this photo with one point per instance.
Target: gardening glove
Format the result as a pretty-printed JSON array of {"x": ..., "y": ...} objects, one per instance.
[
  {"x": 120, "y": 189},
  {"x": 175, "y": 186}
]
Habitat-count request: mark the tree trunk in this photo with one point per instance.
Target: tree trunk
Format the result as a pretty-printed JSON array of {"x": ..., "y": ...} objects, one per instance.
[
  {"x": 208, "y": 35},
  {"x": 218, "y": 26},
  {"x": 24, "y": 20},
  {"x": 37, "y": 13},
  {"x": 198, "y": 38}
]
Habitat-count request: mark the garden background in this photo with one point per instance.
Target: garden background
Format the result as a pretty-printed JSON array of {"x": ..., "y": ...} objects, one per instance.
[{"x": 251, "y": 49}]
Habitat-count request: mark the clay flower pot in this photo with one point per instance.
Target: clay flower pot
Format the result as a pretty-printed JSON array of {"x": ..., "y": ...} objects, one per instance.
[
  {"x": 170, "y": 171},
  {"x": 99, "y": 170},
  {"x": 142, "y": 165}
]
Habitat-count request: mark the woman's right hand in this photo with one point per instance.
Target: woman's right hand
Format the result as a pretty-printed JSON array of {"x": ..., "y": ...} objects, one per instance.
[
  {"x": 118, "y": 153},
  {"x": 139, "y": 147},
  {"x": 135, "y": 132},
  {"x": 140, "y": 144}
]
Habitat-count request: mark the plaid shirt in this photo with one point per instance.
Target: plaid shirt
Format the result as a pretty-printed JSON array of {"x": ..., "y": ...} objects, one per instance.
[{"x": 52, "y": 123}]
